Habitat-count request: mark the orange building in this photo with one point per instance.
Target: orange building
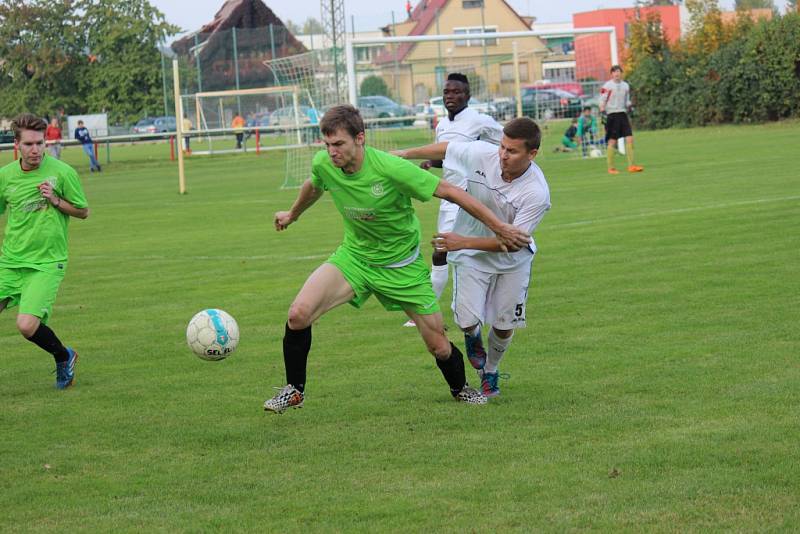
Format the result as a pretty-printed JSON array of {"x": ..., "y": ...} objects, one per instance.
[{"x": 593, "y": 52}]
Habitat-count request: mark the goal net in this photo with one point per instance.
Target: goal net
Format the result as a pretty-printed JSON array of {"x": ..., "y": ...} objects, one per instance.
[{"x": 265, "y": 112}]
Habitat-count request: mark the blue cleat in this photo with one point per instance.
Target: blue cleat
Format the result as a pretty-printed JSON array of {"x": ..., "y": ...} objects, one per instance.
[
  {"x": 476, "y": 354},
  {"x": 65, "y": 371},
  {"x": 489, "y": 383}
]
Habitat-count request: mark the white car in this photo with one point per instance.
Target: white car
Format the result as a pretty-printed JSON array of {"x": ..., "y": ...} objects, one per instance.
[{"x": 437, "y": 103}]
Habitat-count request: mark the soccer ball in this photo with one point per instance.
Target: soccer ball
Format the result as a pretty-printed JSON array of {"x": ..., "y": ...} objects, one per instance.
[
  {"x": 595, "y": 153},
  {"x": 212, "y": 334}
]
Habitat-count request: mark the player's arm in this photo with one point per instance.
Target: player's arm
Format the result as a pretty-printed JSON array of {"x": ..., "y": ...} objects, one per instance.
[
  {"x": 435, "y": 151},
  {"x": 510, "y": 237},
  {"x": 61, "y": 204},
  {"x": 450, "y": 241},
  {"x": 306, "y": 198}
]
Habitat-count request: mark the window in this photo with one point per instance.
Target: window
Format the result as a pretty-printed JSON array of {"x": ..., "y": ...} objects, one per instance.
[
  {"x": 507, "y": 72},
  {"x": 475, "y": 29},
  {"x": 471, "y": 4}
]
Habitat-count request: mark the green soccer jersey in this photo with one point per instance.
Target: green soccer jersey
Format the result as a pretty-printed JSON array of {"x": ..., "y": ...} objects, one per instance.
[
  {"x": 36, "y": 231},
  {"x": 380, "y": 226}
]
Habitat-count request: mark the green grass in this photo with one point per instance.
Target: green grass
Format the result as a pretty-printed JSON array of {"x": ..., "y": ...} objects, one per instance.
[{"x": 657, "y": 386}]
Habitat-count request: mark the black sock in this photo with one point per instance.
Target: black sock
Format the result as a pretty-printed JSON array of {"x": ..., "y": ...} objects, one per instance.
[
  {"x": 46, "y": 339},
  {"x": 453, "y": 370},
  {"x": 296, "y": 344}
]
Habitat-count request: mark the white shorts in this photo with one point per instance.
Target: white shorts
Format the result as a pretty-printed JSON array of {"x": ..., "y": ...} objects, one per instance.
[
  {"x": 497, "y": 300},
  {"x": 447, "y": 218}
]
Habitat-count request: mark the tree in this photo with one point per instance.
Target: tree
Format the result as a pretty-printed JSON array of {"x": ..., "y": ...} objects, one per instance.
[
  {"x": 123, "y": 37},
  {"x": 81, "y": 56},
  {"x": 312, "y": 25},
  {"x": 293, "y": 28},
  {"x": 374, "y": 85}
]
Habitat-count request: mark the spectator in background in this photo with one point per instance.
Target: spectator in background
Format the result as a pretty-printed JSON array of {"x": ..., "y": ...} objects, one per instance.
[
  {"x": 408, "y": 8},
  {"x": 238, "y": 128},
  {"x": 82, "y": 135},
  {"x": 615, "y": 101},
  {"x": 52, "y": 137},
  {"x": 568, "y": 143},
  {"x": 186, "y": 126},
  {"x": 587, "y": 130}
]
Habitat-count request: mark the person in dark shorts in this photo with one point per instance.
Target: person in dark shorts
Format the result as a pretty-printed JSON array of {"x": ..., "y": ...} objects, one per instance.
[{"x": 615, "y": 102}]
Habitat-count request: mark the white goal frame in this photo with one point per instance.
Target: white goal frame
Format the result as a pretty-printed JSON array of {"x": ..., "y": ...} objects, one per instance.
[{"x": 350, "y": 44}]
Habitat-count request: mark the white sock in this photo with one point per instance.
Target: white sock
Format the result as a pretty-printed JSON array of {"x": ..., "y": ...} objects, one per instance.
[
  {"x": 439, "y": 275},
  {"x": 495, "y": 350}
]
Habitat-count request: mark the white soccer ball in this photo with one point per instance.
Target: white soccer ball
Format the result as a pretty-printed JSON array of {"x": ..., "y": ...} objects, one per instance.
[
  {"x": 212, "y": 334},
  {"x": 595, "y": 153}
]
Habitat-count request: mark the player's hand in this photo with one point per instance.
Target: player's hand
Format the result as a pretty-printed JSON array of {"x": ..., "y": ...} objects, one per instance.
[
  {"x": 427, "y": 164},
  {"x": 447, "y": 242},
  {"x": 282, "y": 220},
  {"x": 46, "y": 189},
  {"x": 512, "y": 238}
]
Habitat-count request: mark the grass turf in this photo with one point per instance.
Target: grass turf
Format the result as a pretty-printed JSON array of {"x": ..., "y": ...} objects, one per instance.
[{"x": 655, "y": 388}]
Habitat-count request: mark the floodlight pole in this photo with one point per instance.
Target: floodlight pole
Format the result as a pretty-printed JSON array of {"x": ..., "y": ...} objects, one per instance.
[{"x": 179, "y": 125}]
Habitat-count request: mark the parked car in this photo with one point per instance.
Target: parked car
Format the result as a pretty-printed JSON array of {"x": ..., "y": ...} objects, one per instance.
[
  {"x": 423, "y": 116},
  {"x": 576, "y": 88},
  {"x": 437, "y": 103},
  {"x": 286, "y": 116},
  {"x": 382, "y": 107},
  {"x": 150, "y": 125},
  {"x": 6, "y": 137},
  {"x": 555, "y": 103}
]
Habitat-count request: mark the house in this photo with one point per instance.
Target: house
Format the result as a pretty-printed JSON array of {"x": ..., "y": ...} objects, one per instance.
[
  {"x": 246, "y": 29},
  {"x": 416, "y": 71}
]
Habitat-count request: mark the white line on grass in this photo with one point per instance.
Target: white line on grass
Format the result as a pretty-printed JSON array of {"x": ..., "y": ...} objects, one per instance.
[{"x": 672, "y": 212}]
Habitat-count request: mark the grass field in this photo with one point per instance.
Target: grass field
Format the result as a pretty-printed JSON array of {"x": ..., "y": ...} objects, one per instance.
[{"x": 657, "y": 386}]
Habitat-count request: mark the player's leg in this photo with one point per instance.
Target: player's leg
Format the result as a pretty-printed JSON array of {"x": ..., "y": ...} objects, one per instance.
[
  {"x": 325, "y": 289},
  {"x": 507, "y": 299},
  {"x": 632, "y": 167},
  {"x": 38, "y": 294},
  {"x": 449, "y": 358},
  {"x": 612, "y": 145},
  {"x": 470, "y": 288}
]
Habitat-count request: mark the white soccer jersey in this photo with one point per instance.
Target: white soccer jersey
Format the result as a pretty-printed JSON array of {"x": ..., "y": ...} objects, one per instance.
[
  {"x": 522, "y": 203},
  {"x": 617, "y": 96},
  {"x": 467, "y": 125}
]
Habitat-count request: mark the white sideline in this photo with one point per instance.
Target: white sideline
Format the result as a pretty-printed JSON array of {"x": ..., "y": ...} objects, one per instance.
[{"x": 672, "y": 212}]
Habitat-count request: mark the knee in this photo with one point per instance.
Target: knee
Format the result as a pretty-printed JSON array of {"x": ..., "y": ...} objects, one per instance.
[
  {"x": 27, "y": 325},
  {"x": 503, "y": 334},
  {"x": 440, "y": 347},
  {"x": 299, "y": 316}
]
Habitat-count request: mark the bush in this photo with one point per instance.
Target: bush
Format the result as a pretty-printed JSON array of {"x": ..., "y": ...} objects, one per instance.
[
  {"x": 374, "y": 86},
  {"x": 753, "y": 75}
]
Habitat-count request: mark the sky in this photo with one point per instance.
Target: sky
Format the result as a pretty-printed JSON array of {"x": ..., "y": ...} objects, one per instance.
[{"x": 369, "y": 15}]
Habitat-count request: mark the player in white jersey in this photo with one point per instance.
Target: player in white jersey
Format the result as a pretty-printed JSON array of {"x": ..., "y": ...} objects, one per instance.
[
  {"x": 615, "y": 101},
  {"x": 462, "y": 124},
  {"x": 490, "y": 281}
]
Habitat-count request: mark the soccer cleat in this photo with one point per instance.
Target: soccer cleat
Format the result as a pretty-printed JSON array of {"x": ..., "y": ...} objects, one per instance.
[
  {"x": 65, "y": 371},
  {"x": 635, "y": 168},
  {"x": 470, "y": 396},
  {"x": 410, "y": 324},
  {"x": 476, "y": 354},
  {"x": 288, "y": 397},
  {"x": 612, "y": 170},
  {"x": 489, "y": 383}
]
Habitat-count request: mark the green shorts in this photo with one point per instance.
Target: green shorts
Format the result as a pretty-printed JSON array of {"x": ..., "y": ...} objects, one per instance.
[
  {"x": 404, "y": 288},
  {"x": 33, "y": 290}
]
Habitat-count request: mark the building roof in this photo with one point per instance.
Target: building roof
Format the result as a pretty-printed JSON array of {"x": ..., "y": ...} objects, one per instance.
[{"x": 424, "y": 14}]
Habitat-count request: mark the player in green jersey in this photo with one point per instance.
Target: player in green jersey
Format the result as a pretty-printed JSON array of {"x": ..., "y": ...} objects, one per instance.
[
  {"x": 380, "y": 254},
  {"x": 40, "y": 193}
]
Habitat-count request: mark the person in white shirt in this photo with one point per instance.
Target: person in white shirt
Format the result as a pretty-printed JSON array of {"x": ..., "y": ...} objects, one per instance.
[
  {"x": 615, "y": 101},
  {"x": 462, "y": 124},
  {"x": 490, "y": 281}
]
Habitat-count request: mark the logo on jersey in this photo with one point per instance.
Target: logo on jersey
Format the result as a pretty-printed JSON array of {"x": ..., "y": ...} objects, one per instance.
[
  {"x": 359, "y": 214},
  {"x": 377, "y": 190}
]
